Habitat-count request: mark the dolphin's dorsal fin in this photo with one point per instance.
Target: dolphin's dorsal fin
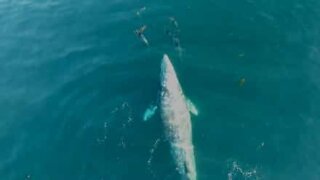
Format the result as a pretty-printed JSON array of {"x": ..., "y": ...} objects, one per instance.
[
  {"x": 149, "y": 112},
  {"x": 191, "y": 107}
]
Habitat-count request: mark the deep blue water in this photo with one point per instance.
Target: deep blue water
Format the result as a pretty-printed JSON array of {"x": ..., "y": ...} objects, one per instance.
[{"x": 75, "y": 82}]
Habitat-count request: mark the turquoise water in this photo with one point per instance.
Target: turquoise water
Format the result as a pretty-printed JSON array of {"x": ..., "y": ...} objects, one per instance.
[{"x": 75, "y": 82}]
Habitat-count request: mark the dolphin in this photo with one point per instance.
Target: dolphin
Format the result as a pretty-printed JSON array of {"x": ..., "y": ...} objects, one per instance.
[{"x": 174, "y": 112}]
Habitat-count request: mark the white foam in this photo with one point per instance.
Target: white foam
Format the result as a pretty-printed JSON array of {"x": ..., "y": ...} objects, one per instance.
[{"x": 237, "y": 171}]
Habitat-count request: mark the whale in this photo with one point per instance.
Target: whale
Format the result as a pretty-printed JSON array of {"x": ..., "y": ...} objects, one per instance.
[{"x": 175, "y": 111}]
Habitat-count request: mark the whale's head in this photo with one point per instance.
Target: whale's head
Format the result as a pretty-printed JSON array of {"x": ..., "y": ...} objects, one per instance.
[
  {"x": 166, "y": 65},
  {"x": 169, "y": 80}
]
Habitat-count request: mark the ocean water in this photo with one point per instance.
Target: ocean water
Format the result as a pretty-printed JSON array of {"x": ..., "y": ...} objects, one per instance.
[{"x": 75, "y": 82}]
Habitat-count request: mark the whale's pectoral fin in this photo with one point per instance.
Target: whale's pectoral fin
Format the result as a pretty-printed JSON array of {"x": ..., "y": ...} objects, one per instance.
[
  {"x": 191, "y": 107},
  {"x": 149, "y": 112}
]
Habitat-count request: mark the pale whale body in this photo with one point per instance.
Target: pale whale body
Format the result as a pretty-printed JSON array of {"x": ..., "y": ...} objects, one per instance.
[{"x": 174, "y": 111}]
